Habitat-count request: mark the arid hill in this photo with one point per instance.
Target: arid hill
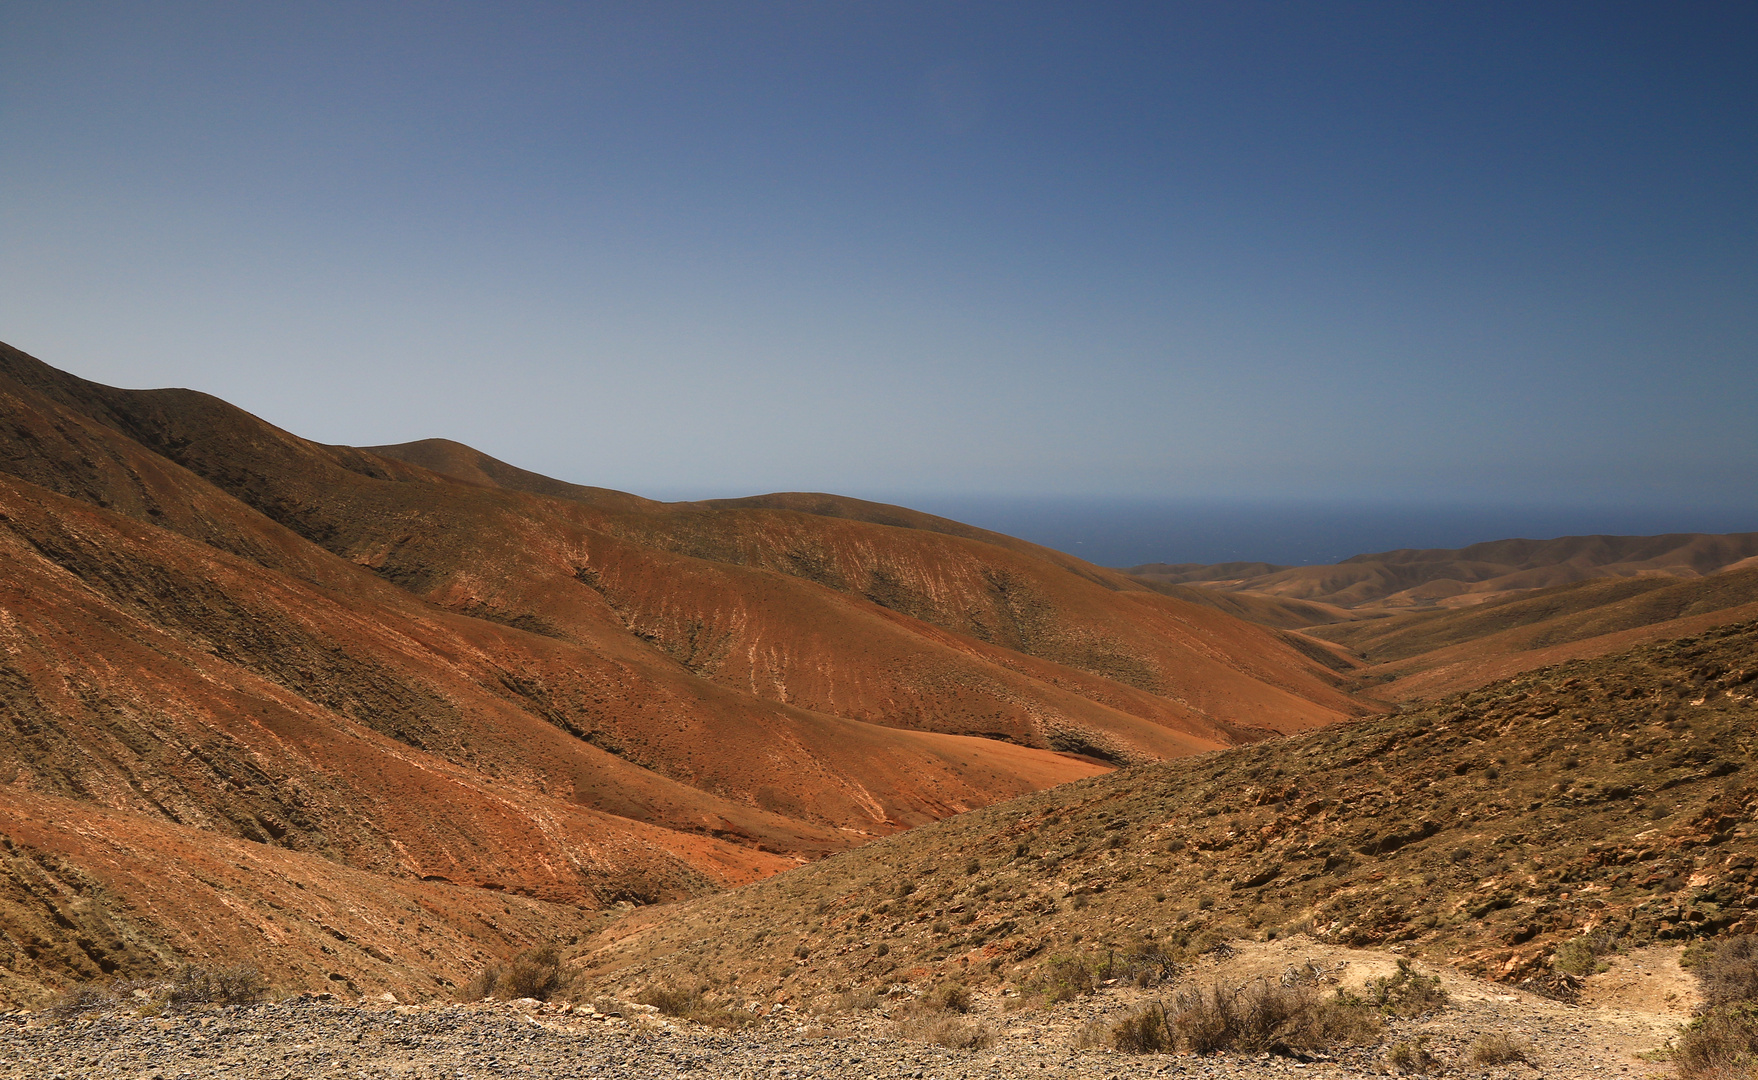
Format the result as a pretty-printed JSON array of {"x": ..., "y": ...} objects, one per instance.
[
  {"x": 423, "y": 677},
  {"x": 1597, "y": 803},
  {"x": 1427, "y": 654},
  {"x": 1617, "y": 592},
  {"x": 1442, "y": 578}
]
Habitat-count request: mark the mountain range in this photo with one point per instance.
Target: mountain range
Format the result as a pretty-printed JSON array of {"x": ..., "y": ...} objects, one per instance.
[
  {"x": 388, "y": 672},
  {"x": 371, "y": 717}
]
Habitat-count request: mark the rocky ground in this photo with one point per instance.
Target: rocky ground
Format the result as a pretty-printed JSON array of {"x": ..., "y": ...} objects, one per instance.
[
  {"x": 1626, "y": 1014},
  {"x": 1601, "y": 801}
]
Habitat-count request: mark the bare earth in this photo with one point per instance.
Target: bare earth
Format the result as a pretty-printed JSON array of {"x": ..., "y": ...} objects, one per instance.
[{"x": 1631, "y": 1009}]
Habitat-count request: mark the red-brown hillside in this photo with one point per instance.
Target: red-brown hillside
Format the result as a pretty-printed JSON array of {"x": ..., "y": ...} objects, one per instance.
[
  {"x": 1442, "y": 578},
  {"x": 423, "y": 664}
]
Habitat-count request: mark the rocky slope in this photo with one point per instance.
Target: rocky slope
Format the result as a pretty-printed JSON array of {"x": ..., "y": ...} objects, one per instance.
[
  {"x": 1424, "y": 655},
  {"x": 486, "y": 679},
  {"x": 1609, "y": 797}
]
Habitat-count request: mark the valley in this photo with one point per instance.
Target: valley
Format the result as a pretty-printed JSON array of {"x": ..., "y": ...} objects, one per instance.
[{"x": 377, "y": 720}]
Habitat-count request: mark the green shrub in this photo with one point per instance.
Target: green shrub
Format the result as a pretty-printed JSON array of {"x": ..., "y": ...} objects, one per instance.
[
  {"x": 1581, "y": 955},
  {"x": 1406, "y": 992}
]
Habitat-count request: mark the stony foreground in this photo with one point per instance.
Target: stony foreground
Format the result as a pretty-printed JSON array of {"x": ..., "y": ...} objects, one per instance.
[{"x": 320, "y": 1037}]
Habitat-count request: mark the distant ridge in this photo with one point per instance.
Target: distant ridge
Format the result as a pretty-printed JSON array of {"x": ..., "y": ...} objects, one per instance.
[
  {"x": 1438, "y": 577},
  {"x": 1419, "y": 623}
]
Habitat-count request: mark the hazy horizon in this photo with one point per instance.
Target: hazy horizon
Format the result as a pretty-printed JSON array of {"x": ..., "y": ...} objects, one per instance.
[{"x": 1366, "y": 254}]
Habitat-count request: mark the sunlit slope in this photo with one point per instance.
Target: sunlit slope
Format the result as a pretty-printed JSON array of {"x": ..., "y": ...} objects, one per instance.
[
  {"x": 783, "y": 679},
  {"x": 1484, "y": 830},
  {"x": 1424, "y": 655},
  {"x": 1426, "y": 578},
  {"x": 89, "y": 894},
  {"x": 1048, "y": 617}
]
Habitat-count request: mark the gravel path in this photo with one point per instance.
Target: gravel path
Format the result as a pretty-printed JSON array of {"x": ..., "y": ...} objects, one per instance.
[{"x": 307, "y": 1038}]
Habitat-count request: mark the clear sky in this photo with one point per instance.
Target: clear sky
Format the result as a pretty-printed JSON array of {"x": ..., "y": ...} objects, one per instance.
[{"x": 1426, "y": 252}]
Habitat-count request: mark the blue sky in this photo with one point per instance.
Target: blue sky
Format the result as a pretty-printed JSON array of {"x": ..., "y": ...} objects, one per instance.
[{"x": 1423, "y": 253}]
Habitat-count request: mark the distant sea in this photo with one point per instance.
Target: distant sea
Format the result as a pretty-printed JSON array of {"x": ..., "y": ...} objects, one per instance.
[{"x": 1117, "y": 532}]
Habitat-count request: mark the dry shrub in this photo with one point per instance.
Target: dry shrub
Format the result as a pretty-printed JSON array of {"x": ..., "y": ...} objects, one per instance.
[
  {"x": 1411, "y": 1056},
  {"x": 1497, "y": 1048},
  {"x": 860, "y": 999},
  {"x": 952, "y": 1032},
  {"x": 687, "y": 1003},
  {"x": 1142, "y": 1033},
  {"x": 946, "y": 998},
  {"x": 81, "y": 999},
  {"x": 1720, "y": 1044},
  {"x": 240, "y": 984},
  {"x": 953, "y": 997},
  {"x": 1063, "y": 978},
  {"x": 1265, "y": 1016},
  {"x": 534, "y": 973},
  {"x": 715, "y": 1016},
  {"x": 1730, "y": 972},
  {"x": 671, "y": 1000},
  {"x": 1406, "y": 992}
]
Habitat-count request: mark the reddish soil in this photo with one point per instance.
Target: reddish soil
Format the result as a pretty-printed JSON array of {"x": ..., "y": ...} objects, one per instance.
[{"x": 484, "y": 678}]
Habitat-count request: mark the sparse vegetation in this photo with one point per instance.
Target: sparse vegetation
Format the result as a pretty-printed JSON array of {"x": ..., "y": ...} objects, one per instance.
[
  {"x": 535, "y": 973},
  {"x": 1500, "y": 1048},
  {"x": 952, "y": 1032},
  {"x": 188, "y": 987},
  {"x": 1409, "y": 1056},
  {"x": 1406, "y": 992},
  {"x": 691, "y": 1004},
  {"x": 1062, "y": 978},
  {"x": 1359, "y": 836},
  {"x": 1266, "y": 1016},
  {"x": 1722, "y": 1041},
  {"x": 1581, "y": 955}
]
